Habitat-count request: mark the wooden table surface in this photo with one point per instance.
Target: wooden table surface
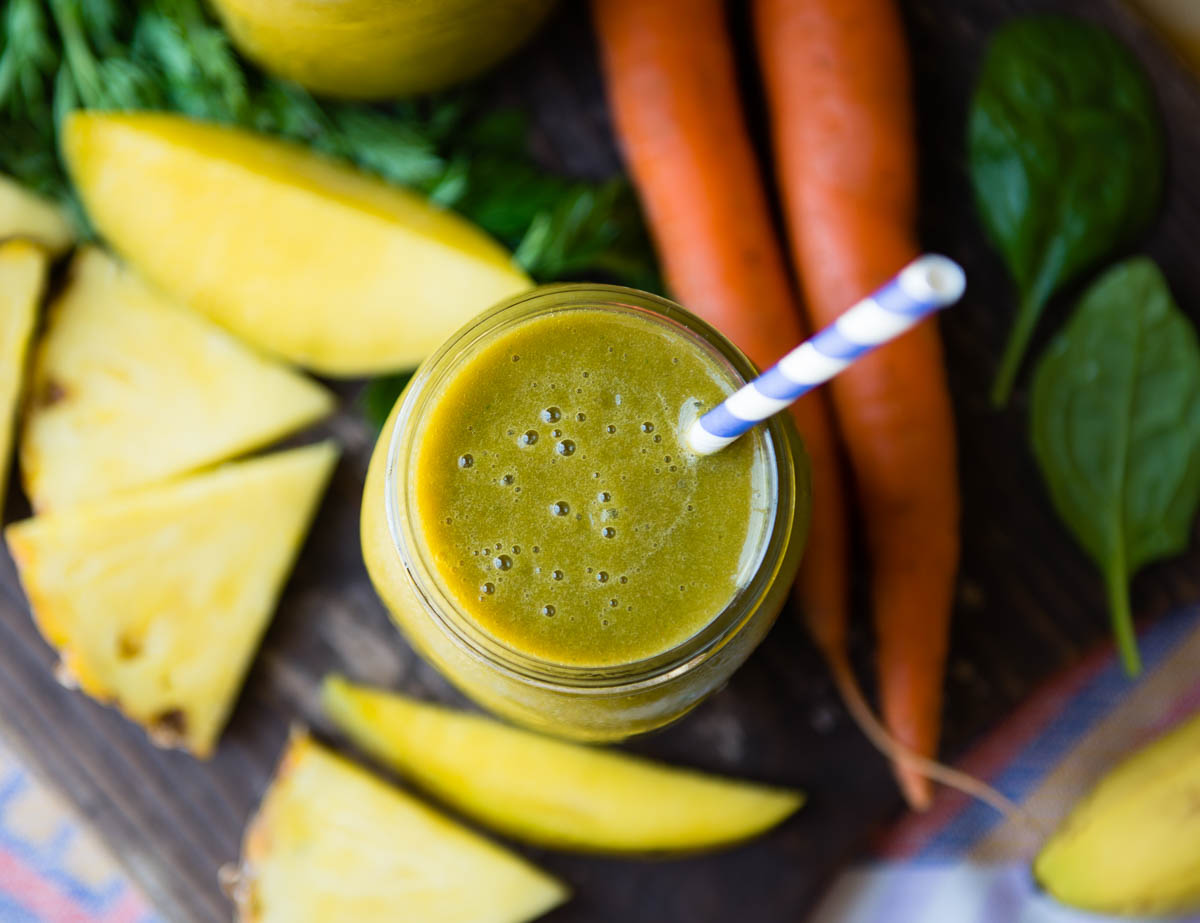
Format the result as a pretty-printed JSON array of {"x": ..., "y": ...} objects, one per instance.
[{"x": 1029, "y": 602}]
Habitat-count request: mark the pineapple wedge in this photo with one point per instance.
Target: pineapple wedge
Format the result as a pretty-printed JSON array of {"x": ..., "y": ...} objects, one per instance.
[
  {"x": 22, "y": 279},
  {"x": 333, "y": 843},
  {"x": 548, "y": 792},
  {"x": 302, "y": 256},
  {"x": 129, "y": 389},
  {"x": 26, "y": 215},
  {"x": 157, "y": 599}
]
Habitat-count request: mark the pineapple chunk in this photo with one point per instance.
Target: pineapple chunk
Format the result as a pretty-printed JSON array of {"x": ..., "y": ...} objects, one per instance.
[
  {"x": 22, "y": 278},
  {"x": 331, "y": 842},
  {"x": 26, "y": 215},
  {"x": 300, "y": 255},
  {"x": 157, "y": 599},
  {"x": 129, "y": 389},
  {"x": 548, "y": 792}
]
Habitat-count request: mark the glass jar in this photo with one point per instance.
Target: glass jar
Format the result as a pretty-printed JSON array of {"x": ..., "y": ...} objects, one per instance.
[{"x": 585, "y": 703}]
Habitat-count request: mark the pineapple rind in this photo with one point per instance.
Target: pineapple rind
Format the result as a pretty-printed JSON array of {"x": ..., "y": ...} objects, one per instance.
[
  {"x": 130, "y": 389},
  {"x": 332, "y": 842},
  {"x": 157, "y": 598}
]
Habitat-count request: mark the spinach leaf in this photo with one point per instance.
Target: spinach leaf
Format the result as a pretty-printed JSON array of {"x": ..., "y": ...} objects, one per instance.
[
  {"x": 1066, "y": 157},
  {"x": 1116, "y": 429}
]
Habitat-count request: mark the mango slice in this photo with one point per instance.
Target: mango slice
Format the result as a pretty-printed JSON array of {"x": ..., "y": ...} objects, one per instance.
[
  {"x": 300, "y": 255},
  {"x": 22, "y": 279},
  {"x": 333, "y": 843},
  {"x": 29, "y": 216},
  {"x": 156, "y": 599},
  {"x": 1132, "y": 846},
  {"x": 548, "y": 792},
  {"x": 130, "y": 389}
]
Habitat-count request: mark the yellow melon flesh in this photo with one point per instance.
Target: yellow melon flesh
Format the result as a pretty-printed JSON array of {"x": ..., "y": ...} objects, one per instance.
[
  {"x": 374, "y": 49},
  {"x": 26, "y": 215},
  {"x": 333, "y": 843},
  {"x": 156, "y": 599},
  {"x": 302, "y": 256},
  {"x": 130, "y": 389},
  {"x": 550, "y": 792},
  {"x": 22, "y": 278}
]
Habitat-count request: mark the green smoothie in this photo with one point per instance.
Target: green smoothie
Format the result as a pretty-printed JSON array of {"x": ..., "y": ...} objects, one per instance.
[{"x": 557, "y": 505}]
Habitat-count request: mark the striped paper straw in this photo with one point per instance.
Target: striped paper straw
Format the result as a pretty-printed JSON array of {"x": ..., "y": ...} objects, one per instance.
[{"x": 925, "y": 285}]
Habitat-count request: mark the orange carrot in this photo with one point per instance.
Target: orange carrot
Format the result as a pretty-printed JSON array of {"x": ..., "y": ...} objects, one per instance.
[
  {"x": 837, "y": 81},
  {"x": 672, "y": 87}
]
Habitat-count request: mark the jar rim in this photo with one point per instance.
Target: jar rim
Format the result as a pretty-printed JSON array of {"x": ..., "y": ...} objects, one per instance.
[{"x": 449, "y": 616}]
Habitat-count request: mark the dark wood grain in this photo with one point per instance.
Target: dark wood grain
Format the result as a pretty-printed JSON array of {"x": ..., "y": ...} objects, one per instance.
[{"x": 1030, "y": 603}]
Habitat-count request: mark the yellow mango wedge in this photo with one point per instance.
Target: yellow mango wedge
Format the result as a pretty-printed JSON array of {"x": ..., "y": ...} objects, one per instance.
[
  {"x": 302, "y": 256},
  {"x": 333, "y": 844},
  {"x": 157, "y": 599},
  {"x": 130, "y": 389},
  {"x": 28, "y": 216},
  {"x": 548, "y": 792},
  {"x": 1132, "y": 846},
  {"x": 22, "y": 279}
]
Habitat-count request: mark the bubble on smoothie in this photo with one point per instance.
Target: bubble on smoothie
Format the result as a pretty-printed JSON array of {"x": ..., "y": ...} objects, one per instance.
[
  {"x": 566, "y": 447},
  {"x": 488, "y": 589},
  {"x": 516, "y": 549},
  {"x": 555, "y": 433},
  {"x": 657, "y": 438},
  {"x": 465, "y": 461},
  {"x": 610, "y": 429},
  {"x": 548, "y": 610},
  {"x": 502, "y": 562},
  {"x": 506, "y": 480},
  {"x": 613, "y": 603},
  {"x": 624, "y": 579},
  {"x": 581, "y": 416},
  {"x": 608, "y": 532},
  {"x": 516, "y": 358},
  {"x": 557, "y": 575},
  {"x": 529, "y": 437},
  {"x": 602, "y": 577},
  {"x": 604, "y": 623},
  {"x": 604, "y": 496},
  {"x": 551, "y": 415},
  {"x": 535, "y": 549},
  {"x": 559, "y": 508},
  {"x": 647, "y": 427}
]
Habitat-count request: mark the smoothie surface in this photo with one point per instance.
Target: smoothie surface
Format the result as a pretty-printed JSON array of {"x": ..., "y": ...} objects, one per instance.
[{"x": 557, "y": 505}]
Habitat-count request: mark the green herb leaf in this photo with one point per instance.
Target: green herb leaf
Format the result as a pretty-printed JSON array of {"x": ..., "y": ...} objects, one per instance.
[
  {"x": 1066, "y": 157},
  {"x": 380, "y": 395},
  {"x": 1116, "y": 429}
]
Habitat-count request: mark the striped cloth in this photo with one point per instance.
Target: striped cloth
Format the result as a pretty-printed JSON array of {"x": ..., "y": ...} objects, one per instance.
[{"x": 52, "y": 868}]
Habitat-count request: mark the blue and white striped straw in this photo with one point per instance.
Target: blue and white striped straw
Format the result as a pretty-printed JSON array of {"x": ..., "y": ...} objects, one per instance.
[{"x": 925, "y": 285}]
